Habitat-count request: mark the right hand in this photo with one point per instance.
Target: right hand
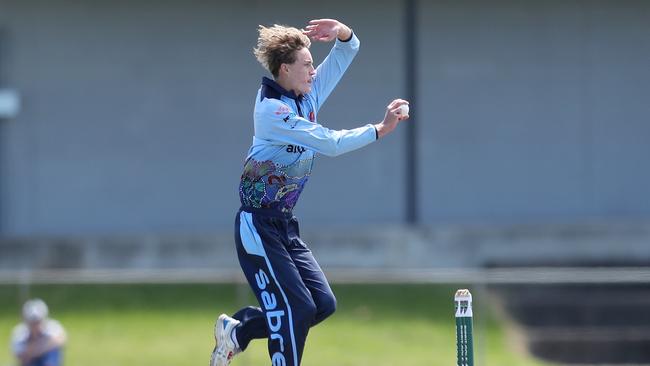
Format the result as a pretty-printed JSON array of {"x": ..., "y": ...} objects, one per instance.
[
  {"x": 391, "y": 118},
  {"x": 326, "y": 30}
]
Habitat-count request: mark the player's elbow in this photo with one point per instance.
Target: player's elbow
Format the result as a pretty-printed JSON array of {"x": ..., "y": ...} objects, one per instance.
[{"x": 332, "y": 149}]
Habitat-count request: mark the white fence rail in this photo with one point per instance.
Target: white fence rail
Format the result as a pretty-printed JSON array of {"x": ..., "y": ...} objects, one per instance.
[{"x": 530, "y": 275}]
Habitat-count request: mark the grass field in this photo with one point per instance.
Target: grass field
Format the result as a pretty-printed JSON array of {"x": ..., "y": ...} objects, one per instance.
[{"x": 375, "y": 325}]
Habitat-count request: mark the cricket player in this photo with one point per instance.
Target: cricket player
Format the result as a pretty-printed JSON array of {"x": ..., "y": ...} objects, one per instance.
[
  {"x": 39, "y": 340},
  {"x": 291, "y": 289}
]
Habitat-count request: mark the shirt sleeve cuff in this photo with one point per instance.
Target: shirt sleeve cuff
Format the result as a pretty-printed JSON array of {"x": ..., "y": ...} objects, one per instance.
[{"x": 349, "y": 38}]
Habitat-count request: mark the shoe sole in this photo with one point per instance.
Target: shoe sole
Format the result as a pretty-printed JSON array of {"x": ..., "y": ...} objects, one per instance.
[
  {"x": 213, "y": 360},
  {"x": 218, "y": 329}
]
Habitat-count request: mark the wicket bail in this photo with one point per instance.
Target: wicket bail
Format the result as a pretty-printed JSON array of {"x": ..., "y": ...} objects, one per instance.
[{"x": 464, "y": 337}]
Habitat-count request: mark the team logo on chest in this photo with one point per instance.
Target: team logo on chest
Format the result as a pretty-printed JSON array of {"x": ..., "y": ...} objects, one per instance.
[{"x": 283, "y": 109}]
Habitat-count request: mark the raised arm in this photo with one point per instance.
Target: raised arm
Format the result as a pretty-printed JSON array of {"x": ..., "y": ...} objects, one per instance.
[{"x": 330, "y": 71}]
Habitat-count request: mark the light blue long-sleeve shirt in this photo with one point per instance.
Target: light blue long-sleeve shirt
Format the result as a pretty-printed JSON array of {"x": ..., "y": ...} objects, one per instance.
[{"x": 288, "y": 135}]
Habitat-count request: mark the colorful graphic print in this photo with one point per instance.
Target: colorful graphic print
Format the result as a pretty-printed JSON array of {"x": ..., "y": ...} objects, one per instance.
[{"x": 265, "y": 184}]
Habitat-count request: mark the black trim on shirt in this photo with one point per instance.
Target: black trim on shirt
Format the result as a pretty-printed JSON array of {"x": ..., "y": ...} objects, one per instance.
[
  {"x": 272, "y": 90},
  {"x": 351, "y": 34}
]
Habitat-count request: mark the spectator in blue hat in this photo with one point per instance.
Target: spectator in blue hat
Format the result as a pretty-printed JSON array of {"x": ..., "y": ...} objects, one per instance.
[{"x": 38, "y": 340}]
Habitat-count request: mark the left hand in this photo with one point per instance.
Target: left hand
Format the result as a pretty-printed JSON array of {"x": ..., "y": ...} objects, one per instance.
[
  {"x": 326, "y": 30},
  {"x": 391, "y": 118}
]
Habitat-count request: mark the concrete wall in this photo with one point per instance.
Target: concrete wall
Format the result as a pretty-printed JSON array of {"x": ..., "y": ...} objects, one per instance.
[
  {"x": 136, "y": 117},
  {"x": 397, "y": 249},
  {"x": 537, "y": 110}
]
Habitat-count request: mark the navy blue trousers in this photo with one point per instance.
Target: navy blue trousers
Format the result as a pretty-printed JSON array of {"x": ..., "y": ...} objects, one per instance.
[{"x": 288, "y": 283}]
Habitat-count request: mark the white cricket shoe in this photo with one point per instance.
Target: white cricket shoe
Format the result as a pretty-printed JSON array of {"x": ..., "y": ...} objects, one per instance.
[{"x": 225, "y": 348}]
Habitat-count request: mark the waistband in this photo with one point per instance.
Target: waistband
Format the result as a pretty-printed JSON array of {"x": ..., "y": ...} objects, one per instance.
[{"x": 267, "y": 212}]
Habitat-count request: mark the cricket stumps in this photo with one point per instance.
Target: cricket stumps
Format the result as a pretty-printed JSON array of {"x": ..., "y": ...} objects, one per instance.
[{"x": 464, "y": 331}]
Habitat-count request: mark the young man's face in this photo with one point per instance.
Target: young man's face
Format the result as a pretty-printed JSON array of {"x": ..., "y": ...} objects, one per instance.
[{"x": 300, "y": 74}]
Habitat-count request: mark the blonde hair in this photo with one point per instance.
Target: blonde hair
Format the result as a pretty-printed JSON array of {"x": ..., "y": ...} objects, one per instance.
[{"x": 277, "y": 45}]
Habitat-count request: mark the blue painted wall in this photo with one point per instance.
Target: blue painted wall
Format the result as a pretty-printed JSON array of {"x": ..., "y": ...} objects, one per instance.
[{"x": 136, "y": 118}]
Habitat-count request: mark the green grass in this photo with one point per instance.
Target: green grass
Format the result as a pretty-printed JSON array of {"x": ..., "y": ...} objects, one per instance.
[{"x": 375, "y": 325}]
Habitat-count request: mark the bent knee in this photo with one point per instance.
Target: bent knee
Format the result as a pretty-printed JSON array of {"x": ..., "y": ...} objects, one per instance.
[
  {"x": 326, "y": 307},
  {"x": 306, "y": 311}
]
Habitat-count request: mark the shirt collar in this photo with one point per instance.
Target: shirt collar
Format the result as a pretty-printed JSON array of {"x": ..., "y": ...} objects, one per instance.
[{"x": 275, "y": 86}]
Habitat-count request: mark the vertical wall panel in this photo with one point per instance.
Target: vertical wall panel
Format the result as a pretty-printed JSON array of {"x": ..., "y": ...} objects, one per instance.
[{"x": 519, "y": 93}]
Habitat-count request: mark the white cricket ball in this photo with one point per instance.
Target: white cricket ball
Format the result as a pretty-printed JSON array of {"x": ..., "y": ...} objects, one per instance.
[{"x": 403, "y": 109}]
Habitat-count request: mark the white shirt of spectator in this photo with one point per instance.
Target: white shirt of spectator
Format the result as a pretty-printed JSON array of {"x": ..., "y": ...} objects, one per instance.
[{"x": 20, "y": 335}]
